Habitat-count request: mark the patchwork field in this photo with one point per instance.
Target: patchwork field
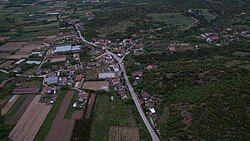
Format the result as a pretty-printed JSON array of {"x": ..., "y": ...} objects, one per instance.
[
  {"x": 123, "y": 134},
  {"x": 29, "y": 124}
]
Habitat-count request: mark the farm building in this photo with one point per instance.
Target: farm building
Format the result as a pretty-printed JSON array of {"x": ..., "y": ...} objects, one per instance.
[
  {"x": 19, "y": 61},
  {"x": 67, "y": 48},
  {"x": 33, "y": 62},
  {"x": 105, "y": 75},
  {"x": 25, "y": 90},
  {"x": 51, "y": 80}
]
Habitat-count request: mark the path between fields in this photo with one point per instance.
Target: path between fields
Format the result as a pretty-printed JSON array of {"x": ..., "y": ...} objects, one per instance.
[{"x": 61, "y": 128}]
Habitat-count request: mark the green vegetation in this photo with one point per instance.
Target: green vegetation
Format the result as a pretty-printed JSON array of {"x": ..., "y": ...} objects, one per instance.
[
  {"x": 43, "y": 131},
  {"x": 69, "y": 111},
  {"x": 109, "y": 113},
  {"x": 204, "y": 91},
  {"x": 172, "y": 19}
]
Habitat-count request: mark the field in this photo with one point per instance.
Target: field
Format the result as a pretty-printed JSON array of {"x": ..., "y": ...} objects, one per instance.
[
  {"x": 12, "y": 46},
  {"x": 173, "y": 19},
  {"x": 120, "y": 28},
  {"x": 96, "y": 85},
  {"x": 6, "y": 64},
  {"x": 70, "y": 111},
  {"x": 208, "y": 16},
  {"x": 46, "y": 126},
  {"x": 61, "y": 128},
  {"x": 10, "y": 103},
  {"x": 110, "y": 113},
  {"x": 20, "y": 106},
  {"x": 123, "y": 134},
  {"x": 90, "y": 106},
  {"x": 29, "y": 124}
]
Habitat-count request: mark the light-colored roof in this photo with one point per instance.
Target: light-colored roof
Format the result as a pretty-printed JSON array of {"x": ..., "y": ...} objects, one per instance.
[
  {"x": 67, "y": 48},
  {"x": 104, "y": 75}
]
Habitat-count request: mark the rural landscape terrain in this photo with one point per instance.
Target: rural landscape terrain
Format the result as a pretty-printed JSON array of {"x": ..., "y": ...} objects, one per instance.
[{"x": 124, "y": 70}]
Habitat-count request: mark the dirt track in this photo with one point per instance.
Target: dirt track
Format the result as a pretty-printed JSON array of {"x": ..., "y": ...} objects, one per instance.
[
  {"x": 61, "y": 129},
  {"x": 31, "y": 121}
]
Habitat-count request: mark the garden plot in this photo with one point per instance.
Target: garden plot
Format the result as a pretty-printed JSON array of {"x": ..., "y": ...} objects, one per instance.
[{"x": 123, "y": 134}]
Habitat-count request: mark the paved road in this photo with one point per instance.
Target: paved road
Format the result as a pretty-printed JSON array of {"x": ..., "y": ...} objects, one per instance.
[{"x": 134, "y": 96}]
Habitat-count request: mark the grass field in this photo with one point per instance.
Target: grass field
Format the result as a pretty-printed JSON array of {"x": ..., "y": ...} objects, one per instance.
[
  {"x": 69, "y": 111},
  {"x": 43, "y": 131},
  {"x": 120, "y": 27},
  {"x": 207, "y": 15},
  {"x": 174, "y": 19}
]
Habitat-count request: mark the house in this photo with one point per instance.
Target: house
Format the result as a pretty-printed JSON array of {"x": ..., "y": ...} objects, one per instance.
[
  {"x": 145, "y": 96},
  {"x": 152, "y": 110},
  {"x": 51, "y": 80},
  {"x": 116, "y": 80},
  {"x": 79, "y": 77},
  {"x": 122, "y": 94},
  {"x": 150, "y": 67},
  {"x": 212, "y": 39},
  {"x": 82, "y": 96}
]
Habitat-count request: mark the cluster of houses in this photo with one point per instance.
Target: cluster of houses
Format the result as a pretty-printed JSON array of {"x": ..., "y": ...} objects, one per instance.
[
  {"x": 225, "y": 36},
  {"x": 149, "y": 104}
]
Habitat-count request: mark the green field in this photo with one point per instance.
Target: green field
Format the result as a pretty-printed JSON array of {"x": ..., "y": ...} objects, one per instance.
[
  {"x": 69, "y": 111},
  {"x": 118, "y": 28},
  {"x": 173, "y": 19}
]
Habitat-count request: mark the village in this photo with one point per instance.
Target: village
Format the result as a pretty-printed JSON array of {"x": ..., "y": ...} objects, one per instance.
[{"x": 65, "y": 70}]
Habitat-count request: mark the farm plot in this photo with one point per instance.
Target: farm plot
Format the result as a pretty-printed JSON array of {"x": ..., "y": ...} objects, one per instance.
[
  {"x": 96, "y": 85},
  {"x": 120, "y": 27},
  {"x": 31, "y": 121},
  {"x": 17, "y": 111},
  {"x": 6, "y": 64},
  {"x": 123, "y": 134},
  {"x": 62, "y": 129},
  {"x": 174, "y": 19},
  {"x": 27, "y": 48},
  {"x": 10, "y": 103},
  {"x": 12, "y": 46}
]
